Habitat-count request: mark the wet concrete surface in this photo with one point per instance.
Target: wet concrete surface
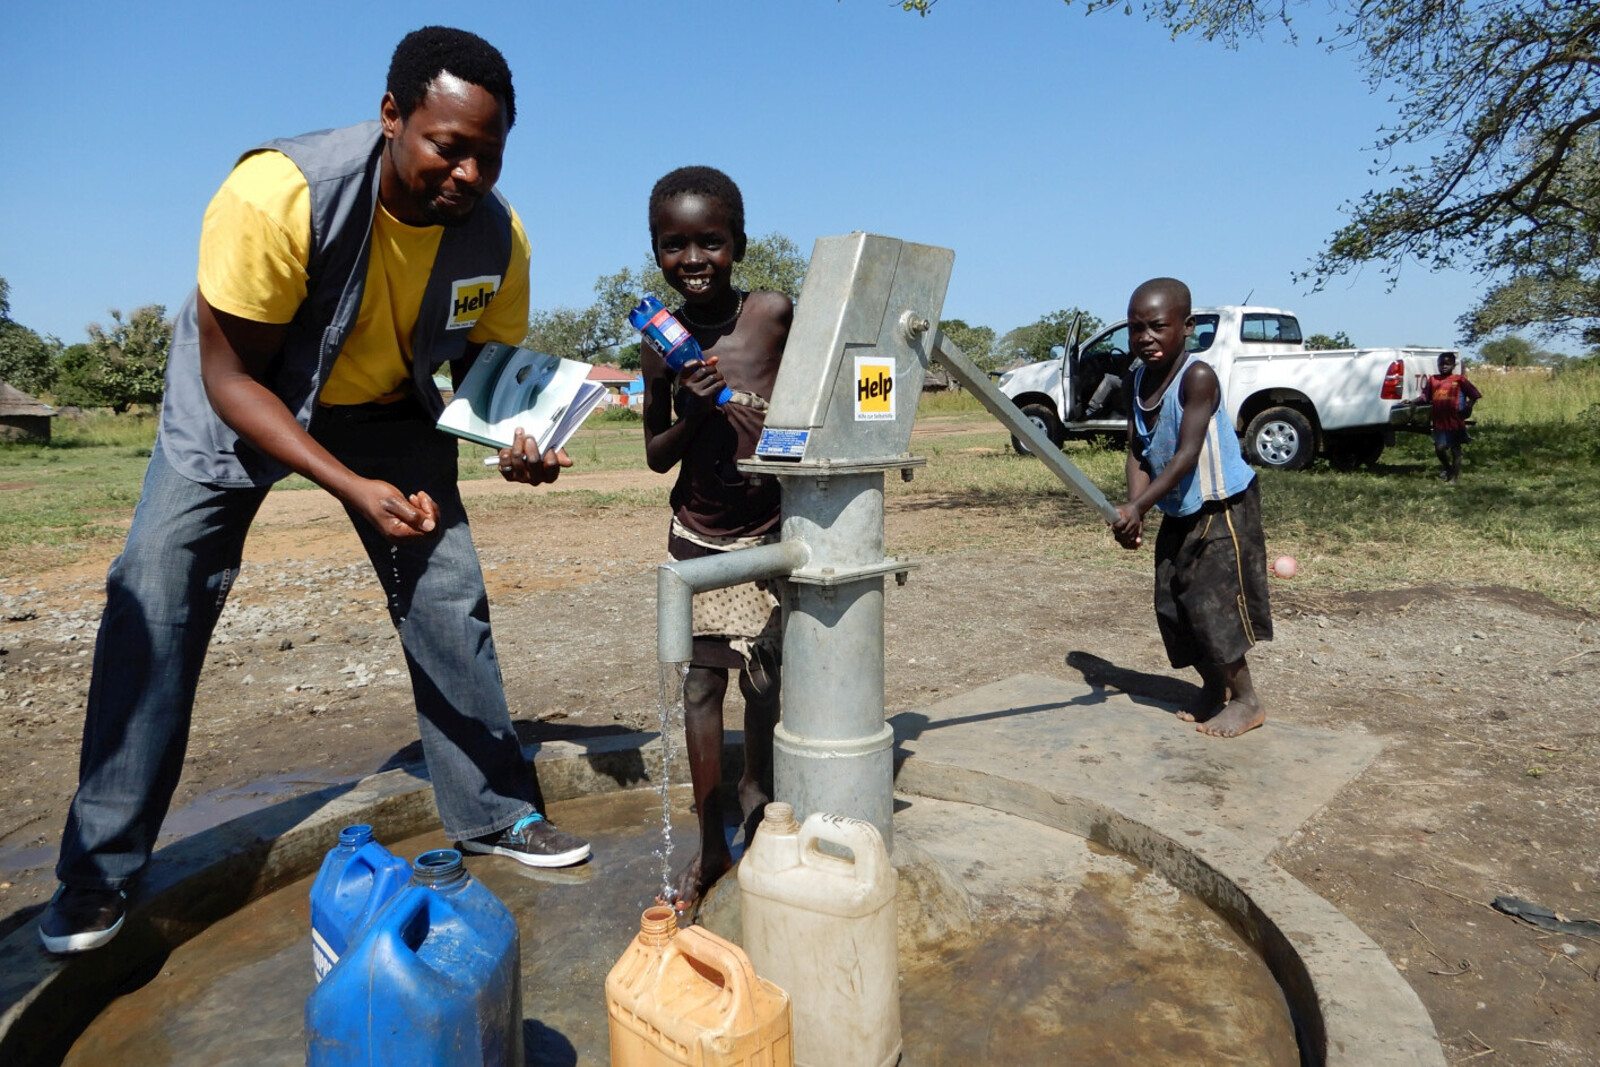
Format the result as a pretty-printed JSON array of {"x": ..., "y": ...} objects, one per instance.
[
  {"x": 1071, "y": 954},
  {"x": 1076, "y": 955},
  {"x": 202, "y": 813}
]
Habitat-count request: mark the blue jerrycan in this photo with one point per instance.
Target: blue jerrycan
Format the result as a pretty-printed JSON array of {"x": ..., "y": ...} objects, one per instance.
[
  {"x": 357, "y": 878},
  {"x": 664, "y": 333},
  {"x": 436, "y": 979}
]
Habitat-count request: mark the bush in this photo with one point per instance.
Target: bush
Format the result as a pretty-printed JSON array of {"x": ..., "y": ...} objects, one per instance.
[
  {"x": 1588, "y": 431},
  {"x": 27, "y": 360}
]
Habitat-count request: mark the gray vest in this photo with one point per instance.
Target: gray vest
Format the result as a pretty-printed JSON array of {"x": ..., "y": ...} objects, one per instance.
[{"x": 341, "y": 169}]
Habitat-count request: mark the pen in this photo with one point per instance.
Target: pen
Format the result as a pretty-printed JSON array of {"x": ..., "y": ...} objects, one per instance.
[{"x": 490, "y": 461}]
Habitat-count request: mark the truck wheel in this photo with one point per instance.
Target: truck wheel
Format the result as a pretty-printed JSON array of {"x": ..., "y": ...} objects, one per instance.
[
  {"x": 1347, "y": 451},
  {"x": 1281, "y": 439},
  {"x": 1045, "y": 418}
]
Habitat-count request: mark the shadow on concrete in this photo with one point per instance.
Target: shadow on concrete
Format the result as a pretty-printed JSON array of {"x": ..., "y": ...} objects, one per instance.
[
  {"x": 546, "y": 1047},
  {"x": 1143, "y": 688}
]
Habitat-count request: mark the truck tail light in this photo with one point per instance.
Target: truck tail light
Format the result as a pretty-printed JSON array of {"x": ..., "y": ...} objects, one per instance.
[{"x": 1393, "y": 382}]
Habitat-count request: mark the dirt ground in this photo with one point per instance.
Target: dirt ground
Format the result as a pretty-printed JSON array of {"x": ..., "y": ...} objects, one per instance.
[{"x": 1485, "y": 698}]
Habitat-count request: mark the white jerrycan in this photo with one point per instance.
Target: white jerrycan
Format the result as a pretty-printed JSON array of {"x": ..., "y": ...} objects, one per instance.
[{"x": 822, "y": 928}]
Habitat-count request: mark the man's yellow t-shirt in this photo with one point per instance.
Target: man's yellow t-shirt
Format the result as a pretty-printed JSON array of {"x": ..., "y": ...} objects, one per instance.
[{"x": 254, "y": 247}]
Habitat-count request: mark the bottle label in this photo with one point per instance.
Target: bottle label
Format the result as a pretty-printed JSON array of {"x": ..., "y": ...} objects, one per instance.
[{"x": 673, "y": 335}]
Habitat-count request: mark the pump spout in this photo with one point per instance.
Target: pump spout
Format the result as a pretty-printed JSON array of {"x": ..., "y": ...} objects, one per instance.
[{"x": 676, "y": 584}]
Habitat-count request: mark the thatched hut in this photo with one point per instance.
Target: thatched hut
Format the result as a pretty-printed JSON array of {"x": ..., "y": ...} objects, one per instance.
[{"x": 23, "y": 417}]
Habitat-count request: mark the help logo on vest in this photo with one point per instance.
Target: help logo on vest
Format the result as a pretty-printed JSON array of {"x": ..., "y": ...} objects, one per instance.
[
  {"x": 469, "y": 297},
  {"x": 874, "y": 389}
]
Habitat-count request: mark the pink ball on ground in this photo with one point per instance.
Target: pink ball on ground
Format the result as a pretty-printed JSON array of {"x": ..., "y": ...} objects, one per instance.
[{"x": 1285, "y": 567}]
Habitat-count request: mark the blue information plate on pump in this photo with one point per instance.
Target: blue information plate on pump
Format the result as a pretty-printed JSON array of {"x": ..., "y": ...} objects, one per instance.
[{"x": 782, "y": 444}]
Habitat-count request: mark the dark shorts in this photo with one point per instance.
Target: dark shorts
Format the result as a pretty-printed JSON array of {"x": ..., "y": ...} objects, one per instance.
[
  {"x": 1450, "y": 438},
  {"x": 1211, "y": 581}
]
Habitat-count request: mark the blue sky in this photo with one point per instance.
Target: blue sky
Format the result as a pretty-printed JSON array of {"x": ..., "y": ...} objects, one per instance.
[{"x": 1064, "y": 158}]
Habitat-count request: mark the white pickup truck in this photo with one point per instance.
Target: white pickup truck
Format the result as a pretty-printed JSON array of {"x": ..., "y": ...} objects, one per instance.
[{"x": 1287, "y": 401}]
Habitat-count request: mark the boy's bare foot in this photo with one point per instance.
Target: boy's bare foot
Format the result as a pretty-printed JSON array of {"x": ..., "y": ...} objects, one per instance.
[
  {"x": 1203, "y": 708},
  {"x": 1234, "y": 719},
  {"x": 1212, "y": 696},
  {"x": 695, "y": 881}
]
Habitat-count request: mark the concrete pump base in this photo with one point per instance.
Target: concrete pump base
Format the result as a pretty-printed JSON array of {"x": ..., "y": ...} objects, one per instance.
[{"x": 1205, "y": 813}]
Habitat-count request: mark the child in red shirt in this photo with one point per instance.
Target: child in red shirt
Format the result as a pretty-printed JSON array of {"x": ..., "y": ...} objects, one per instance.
[{"x": 1452, "y": 397}]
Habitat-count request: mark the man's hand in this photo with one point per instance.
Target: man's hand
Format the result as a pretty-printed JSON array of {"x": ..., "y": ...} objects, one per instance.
[
  {"x": 400, "y": 519},
  {"x": 523, "y": 462},
  {"x": 1129, "y": 527}
]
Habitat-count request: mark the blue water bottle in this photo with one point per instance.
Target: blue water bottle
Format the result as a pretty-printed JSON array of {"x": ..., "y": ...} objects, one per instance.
[
  {"x": 357, "y": 878},
  {"x": 435, "y": 979},
  {"x": 667, "y": 336}
]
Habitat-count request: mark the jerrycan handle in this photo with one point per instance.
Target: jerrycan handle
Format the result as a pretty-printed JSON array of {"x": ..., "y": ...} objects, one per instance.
[
  {"x": 429, "y": 914},
  {"x": 860, "y": 837},
  {"x": 737, "y": 973}
]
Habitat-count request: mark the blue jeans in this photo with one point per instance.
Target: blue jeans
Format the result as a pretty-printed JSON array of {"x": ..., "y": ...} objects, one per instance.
[{"x": 166, "y": 590}]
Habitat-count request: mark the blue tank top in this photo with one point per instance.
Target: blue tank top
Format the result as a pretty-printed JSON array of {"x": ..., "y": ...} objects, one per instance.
[{"x": 1220, "y": 471}]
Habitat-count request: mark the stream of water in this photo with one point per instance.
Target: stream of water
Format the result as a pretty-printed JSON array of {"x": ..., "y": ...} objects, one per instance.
[{"x": 669, "y": 703}]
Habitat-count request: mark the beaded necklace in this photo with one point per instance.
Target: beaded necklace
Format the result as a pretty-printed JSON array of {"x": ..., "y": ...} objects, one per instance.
[{"x": 730, "y": 320}]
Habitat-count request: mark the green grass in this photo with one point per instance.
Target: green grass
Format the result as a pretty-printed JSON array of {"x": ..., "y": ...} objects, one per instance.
[
  {"x": 608, "y": 441},
  {"x": 948, "y": 403},
  {"x": 1522, "y": 515},
  {"x": 77, "y": 490},
  {"x": 1523, "y": 398}
]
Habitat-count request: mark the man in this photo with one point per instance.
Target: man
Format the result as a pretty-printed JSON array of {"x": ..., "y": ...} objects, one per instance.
[{"x": 338, "y": 271}]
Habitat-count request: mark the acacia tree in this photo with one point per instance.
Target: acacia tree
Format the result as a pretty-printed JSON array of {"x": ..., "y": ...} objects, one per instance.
[
  {"x": 1033, "y": 342},
  {"x": 977, "y": 343},
  {"x": 122, "y": 365},
  {"x": 1505, "y": 97},
  {"x": 1326, "y": 343},
  {"x": 27, "y": 360}
]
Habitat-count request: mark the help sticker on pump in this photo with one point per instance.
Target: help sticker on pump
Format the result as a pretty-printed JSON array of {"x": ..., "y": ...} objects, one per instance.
[{"x": 874, "y": 389}]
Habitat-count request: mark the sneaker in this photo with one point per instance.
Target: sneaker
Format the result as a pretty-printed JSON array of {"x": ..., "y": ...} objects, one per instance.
[
  {"x": 534, "y": 841},
  {"x": 78, "y": 920}
]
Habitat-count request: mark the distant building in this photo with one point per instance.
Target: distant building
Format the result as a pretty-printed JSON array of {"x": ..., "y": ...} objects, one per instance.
[
  {"x": 22, "y": 417},
  {"x": 623, "y": 386}
]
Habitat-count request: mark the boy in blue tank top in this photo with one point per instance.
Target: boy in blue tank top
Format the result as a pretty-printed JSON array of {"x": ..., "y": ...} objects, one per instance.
[{"x": 1211, "y": 558}]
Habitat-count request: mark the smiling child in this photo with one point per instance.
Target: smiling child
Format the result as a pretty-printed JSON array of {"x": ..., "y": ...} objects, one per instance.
[{"x": 697, "y": 235}]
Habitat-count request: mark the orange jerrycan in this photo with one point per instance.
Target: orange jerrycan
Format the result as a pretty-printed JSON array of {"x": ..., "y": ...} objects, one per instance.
[{"x": 689, "y": 997}]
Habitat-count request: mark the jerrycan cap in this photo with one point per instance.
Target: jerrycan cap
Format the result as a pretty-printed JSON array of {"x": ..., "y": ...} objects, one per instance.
[
  {"x": 779, "y": 818},
  {"x": 439, "y": 868},
  {"x": 355, "y": 836},
  {"x": 658, "y": 925}
]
